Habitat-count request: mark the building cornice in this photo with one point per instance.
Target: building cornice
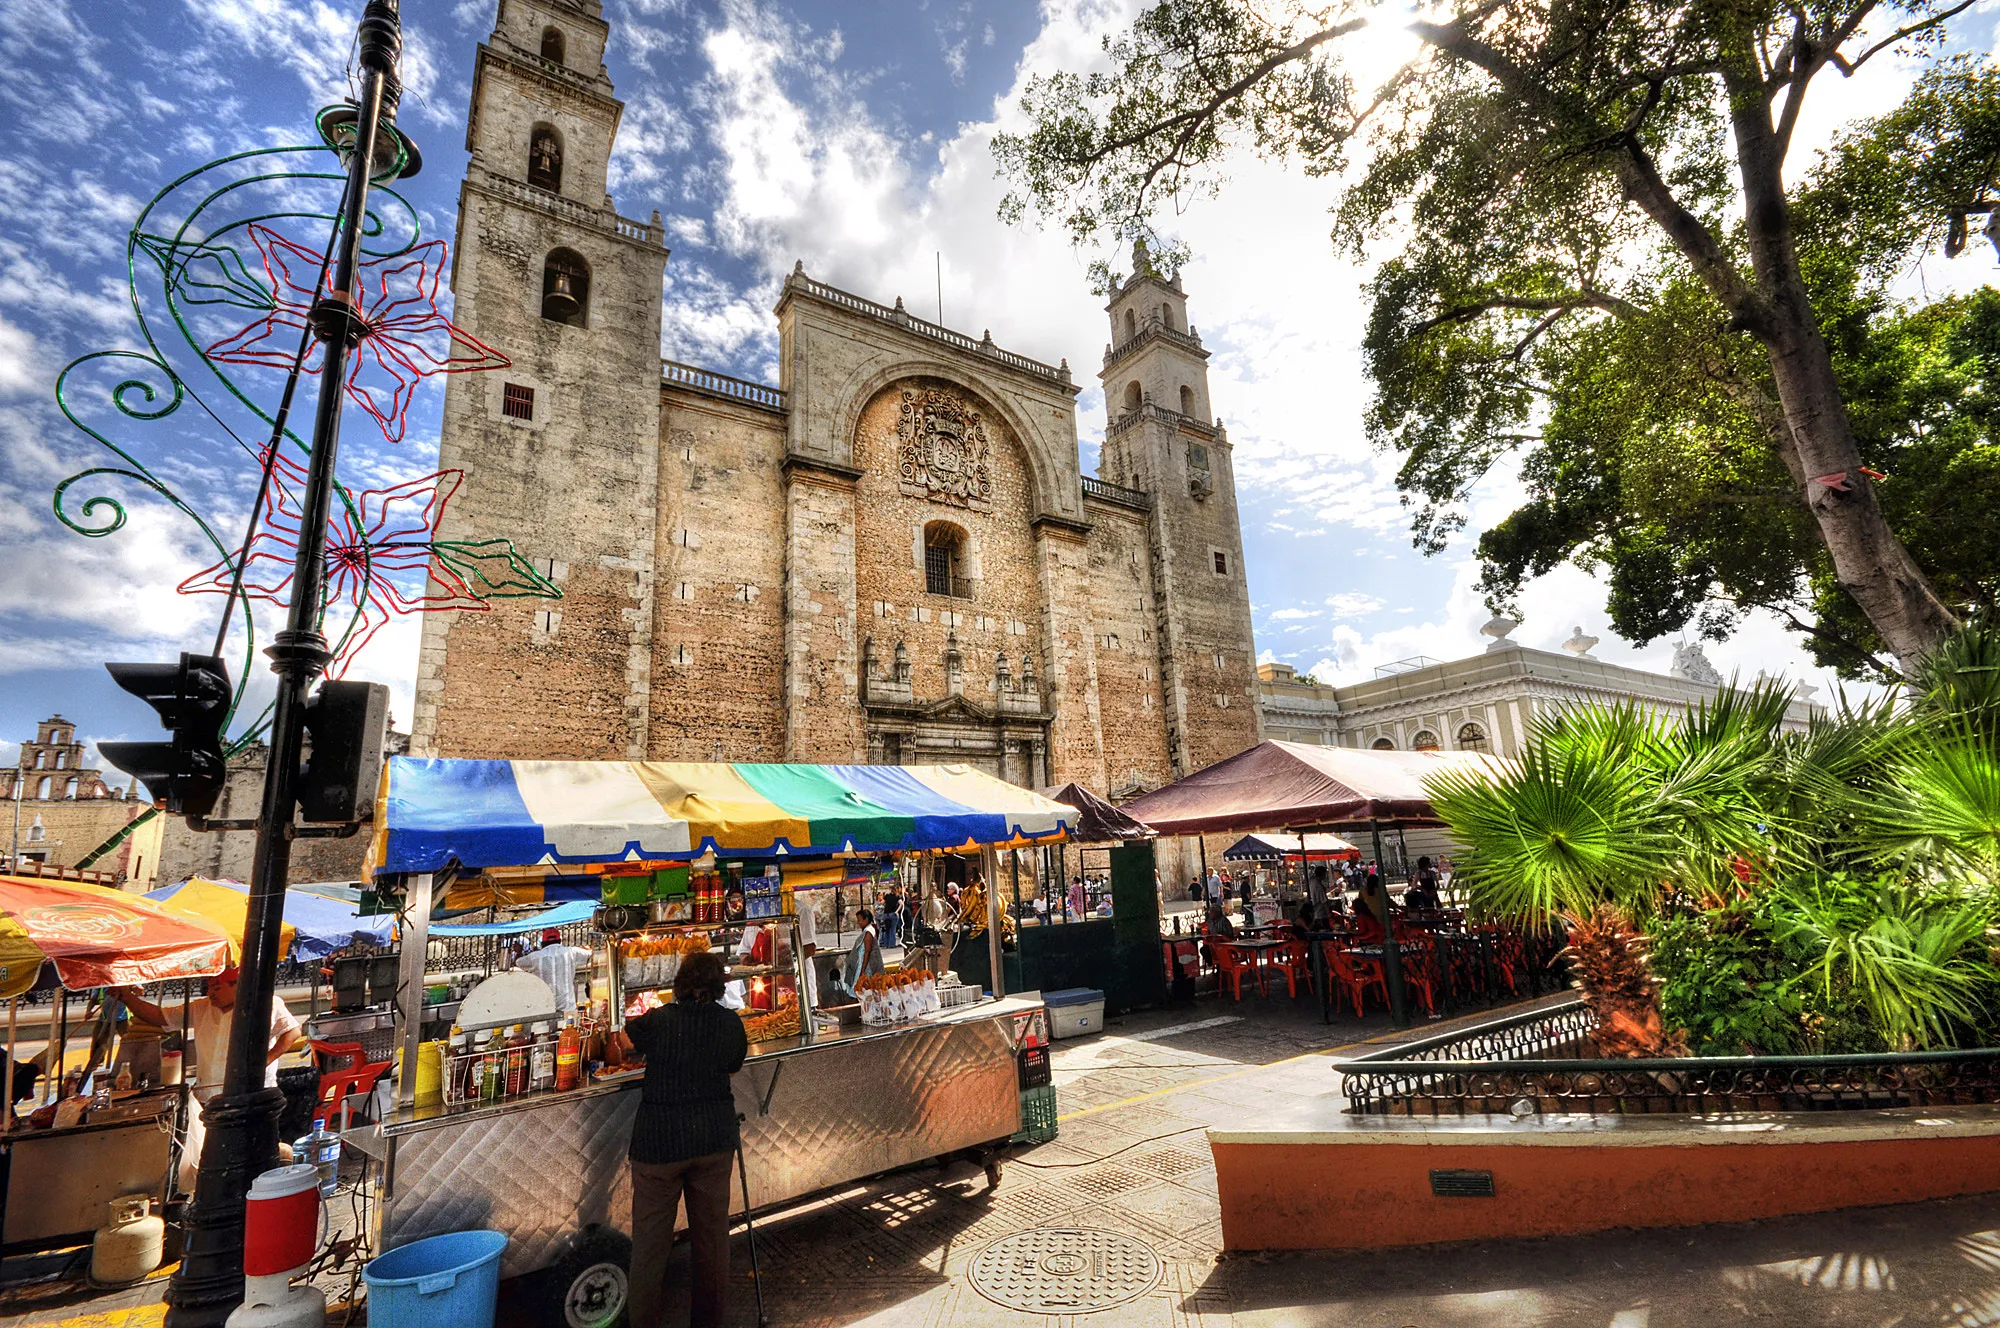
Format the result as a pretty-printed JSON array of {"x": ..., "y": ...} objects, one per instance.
[{"x": 816, "y": 470}]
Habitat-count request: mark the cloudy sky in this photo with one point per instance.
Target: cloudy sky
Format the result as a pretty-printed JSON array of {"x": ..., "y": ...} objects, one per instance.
[{"x": 850, "y": 134}]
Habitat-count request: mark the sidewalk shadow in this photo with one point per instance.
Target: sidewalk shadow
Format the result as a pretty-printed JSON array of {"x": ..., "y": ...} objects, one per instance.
[{"x": 1908, "y": 1266}]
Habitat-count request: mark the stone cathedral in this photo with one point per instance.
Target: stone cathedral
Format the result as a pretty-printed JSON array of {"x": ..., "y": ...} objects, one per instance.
[{"x": 891, "y": 556}]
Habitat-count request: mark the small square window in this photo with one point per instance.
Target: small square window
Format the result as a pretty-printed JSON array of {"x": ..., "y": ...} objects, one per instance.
[
  {"x": 1221, "y": 563},
  {"x": 517, "y": 401}
]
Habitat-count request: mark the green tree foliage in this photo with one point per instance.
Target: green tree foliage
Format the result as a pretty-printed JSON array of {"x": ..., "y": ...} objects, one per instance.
[
  {"x": 1831, "y": 889},
  {"x": 1607, "y": 264}
]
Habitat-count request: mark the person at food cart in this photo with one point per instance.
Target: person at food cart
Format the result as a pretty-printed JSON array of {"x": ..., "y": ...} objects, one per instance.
[
  {"x": 864, "y": 957},
  {"x": 555, "y": 963},
  {"x": 209, "y": 1018},
  {"x": 684, "y": 1138}
]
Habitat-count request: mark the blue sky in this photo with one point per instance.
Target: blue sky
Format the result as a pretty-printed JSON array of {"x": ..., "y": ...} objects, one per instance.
[{"x": 850, "y": 135}]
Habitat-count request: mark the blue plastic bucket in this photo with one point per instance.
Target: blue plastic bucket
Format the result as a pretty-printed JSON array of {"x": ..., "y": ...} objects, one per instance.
[{"x": 450, "y": 1281}]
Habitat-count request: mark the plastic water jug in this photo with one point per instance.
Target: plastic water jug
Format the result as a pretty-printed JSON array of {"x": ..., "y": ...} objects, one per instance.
[{"x": 320, "y": 1150}]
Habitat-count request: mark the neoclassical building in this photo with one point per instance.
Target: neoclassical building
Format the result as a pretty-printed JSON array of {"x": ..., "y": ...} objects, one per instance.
[
  {"x": 1483, "y": 703},
  {"x": 891, "y": 555}
]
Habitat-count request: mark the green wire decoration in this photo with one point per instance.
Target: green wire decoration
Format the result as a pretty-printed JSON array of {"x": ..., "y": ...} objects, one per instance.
[{"x": 220, "y": 239}]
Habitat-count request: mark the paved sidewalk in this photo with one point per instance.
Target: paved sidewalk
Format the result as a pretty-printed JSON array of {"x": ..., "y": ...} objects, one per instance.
[{"x": 1132, "y": 1163}]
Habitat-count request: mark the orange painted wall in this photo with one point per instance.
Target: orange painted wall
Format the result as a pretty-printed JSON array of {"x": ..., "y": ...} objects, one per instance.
[{"x": 1354, "y": 1195}]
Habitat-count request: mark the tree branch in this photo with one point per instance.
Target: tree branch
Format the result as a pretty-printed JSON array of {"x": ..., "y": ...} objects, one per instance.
[
  {"x": 1847, "y": 66},
  {"x": 1555, "y": 305},
  {"x": 1184, "y": 123}
]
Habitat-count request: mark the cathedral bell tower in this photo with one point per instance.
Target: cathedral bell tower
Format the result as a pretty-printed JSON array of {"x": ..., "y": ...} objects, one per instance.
[
  {"x": 1161, "y": 437},
  {"x": 560, "y": 451}
]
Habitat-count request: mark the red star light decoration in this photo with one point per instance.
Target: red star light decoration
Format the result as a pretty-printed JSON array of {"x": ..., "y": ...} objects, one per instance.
[
  {"x": 408, "y": 340},
  {"x": 378, "y": 546}
]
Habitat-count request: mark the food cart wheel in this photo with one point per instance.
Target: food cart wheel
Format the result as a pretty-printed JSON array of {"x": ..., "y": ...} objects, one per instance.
[{"x": 588, "y": 1288}]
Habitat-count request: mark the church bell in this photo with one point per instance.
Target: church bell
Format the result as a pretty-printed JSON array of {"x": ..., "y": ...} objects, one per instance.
[{"x": 560, "y": 303}]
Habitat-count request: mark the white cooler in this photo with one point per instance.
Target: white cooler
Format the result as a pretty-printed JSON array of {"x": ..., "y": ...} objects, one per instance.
[{"x": 1074, "y": 1012}]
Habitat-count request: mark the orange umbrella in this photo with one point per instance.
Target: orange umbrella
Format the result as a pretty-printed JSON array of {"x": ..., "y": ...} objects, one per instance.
[{"x": 98, "y": 937}]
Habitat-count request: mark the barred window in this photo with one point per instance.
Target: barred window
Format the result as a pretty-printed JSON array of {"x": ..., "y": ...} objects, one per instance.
[
  {"x": 944, "y": 557},
  {"x": 517, "y": 401}
]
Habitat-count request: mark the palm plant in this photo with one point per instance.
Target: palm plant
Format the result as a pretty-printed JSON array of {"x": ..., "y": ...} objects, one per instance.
[{"x": 1611, "y": 811}]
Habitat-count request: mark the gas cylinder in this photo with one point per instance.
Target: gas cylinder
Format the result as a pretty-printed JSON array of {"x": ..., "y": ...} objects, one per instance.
[
  {"x": 271, "y": 1301},
  {"x": 132, "y": 1245}
]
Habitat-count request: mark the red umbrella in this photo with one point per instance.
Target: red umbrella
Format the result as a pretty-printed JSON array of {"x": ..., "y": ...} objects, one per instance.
[{"x": 98, "y": 937}]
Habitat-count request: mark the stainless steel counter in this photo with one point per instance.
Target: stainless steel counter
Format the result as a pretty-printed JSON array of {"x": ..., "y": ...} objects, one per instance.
[{"x": 816, "y": 1114}]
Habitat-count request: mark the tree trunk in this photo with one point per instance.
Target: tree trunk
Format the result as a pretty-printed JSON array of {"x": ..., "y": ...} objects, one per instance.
[{"x": 1868, "y": 558}]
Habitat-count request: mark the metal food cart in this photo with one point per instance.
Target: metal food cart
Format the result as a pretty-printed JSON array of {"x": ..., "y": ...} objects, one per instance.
[
  {"x": 56, "y": 1181},
  {"x": 830, "y": 1104}
]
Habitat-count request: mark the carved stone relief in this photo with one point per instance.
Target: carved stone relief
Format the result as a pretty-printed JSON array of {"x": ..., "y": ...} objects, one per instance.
[{"x": 943, "y": 454}]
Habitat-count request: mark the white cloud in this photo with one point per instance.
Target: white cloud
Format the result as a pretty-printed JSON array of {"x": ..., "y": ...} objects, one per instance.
[
  {"x": 1283, "y": 615},
  {"x": 1353, "y": 604},
  {"x": 21, "y": 368}
]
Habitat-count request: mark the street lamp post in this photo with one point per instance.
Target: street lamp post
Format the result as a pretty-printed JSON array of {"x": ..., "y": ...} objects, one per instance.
[{"x": 242, "y": 1122}]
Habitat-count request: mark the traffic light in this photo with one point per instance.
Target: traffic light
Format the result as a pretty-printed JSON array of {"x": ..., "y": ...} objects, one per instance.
[
  {"x": 347, "y": 724},
  {"x": 185, "y": 775}
]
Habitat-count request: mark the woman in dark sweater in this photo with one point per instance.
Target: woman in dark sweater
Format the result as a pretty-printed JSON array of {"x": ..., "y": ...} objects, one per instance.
[{"x": 684, "y": 1139}]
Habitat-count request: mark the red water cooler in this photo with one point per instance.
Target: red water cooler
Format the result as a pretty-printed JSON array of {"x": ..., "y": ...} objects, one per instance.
[{"x": 280, "y": 1235}]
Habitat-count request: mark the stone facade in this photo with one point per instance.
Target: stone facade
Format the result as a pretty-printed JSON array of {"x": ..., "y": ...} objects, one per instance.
[
  {"x": 1484, "y": 703},
  {"x": 225, "y": 855},
  {"x": 892, "y": 556},
  {"x": 62, "y": 810}
]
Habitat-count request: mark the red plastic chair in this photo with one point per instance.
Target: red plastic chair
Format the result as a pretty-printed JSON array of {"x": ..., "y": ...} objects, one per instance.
[
  {"x": 1295, "y": 962},
  {"x": 1230, "y": 966},
  {"x": 345, "y": 1071},
  {"x": 1357, "y": 975},
  {"x": 1418, "y": 951}
]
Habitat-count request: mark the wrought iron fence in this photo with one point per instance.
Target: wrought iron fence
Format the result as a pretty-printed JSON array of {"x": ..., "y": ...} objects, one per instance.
[{"x": 1534, "y": 1064}]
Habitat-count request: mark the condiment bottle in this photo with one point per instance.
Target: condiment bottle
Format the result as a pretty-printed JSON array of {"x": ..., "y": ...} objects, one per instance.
[
  {"x": 569, "y": 1058},
  {"x": 517, "y": 1061},
  {"x": 491, "y": 1067},
  {"x": 458, "y": 1069},
  {"x": 542, "y": 1059}
]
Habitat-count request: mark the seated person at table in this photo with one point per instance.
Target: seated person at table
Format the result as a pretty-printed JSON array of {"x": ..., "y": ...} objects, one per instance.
[
  {"x": 1299, "y": 926},
  {"x": 1368, "y": 906},
  {"x": 1423, "y": 892},
  {"x": 1219, "y": 925}
]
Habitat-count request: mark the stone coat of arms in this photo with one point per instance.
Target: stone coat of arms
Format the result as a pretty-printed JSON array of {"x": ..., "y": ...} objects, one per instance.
[{"x": 943, "y": 453}]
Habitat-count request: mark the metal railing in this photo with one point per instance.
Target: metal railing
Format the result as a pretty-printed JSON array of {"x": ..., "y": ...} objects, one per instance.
[
  {"x": 1106, "y": 491},
  {"x": 723, "y": 385},
  {"x": 1533, "y": 1064},
  {"x": 1149, "y": 411},
  {"x": 903, "y": 318},
  {"x": 1151, "y": 328}
]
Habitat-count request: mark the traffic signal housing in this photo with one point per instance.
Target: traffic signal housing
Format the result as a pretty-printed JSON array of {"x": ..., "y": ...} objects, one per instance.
[
  {"x": 347, "y": 724},
  {"x": 184, "y": 775}
]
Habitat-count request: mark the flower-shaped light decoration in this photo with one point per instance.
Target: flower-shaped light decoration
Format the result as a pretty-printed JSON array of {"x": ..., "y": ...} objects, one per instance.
[
  {"x": 383, "y": 557},
  {"x": 408, "y": 338}
]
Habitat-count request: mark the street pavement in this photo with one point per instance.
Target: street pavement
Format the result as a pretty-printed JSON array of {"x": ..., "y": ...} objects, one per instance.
[{"x": 1131, "y": 1170}]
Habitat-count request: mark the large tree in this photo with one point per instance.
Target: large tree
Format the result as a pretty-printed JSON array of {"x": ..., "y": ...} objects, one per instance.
[{"x": 1601, "y": 257}]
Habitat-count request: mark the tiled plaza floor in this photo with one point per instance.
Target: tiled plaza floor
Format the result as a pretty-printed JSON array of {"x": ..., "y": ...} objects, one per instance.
[{"x": 1132, "y": 1159}]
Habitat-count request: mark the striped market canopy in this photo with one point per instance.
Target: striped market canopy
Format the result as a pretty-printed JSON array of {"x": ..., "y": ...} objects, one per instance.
[{"x": 433, "y": 813}]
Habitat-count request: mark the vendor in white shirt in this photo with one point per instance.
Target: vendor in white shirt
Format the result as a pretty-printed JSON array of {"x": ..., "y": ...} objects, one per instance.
[
  {"x": 555, "y": 963},
  {"x": 209, "y": 1018}
]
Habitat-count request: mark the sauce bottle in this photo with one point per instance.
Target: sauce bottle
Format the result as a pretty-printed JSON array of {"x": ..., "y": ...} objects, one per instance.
[
  {"x": 542, "y": 1059},
  {"x": 569, "y": 1058},
  {"x": 458, "y": 1069},
  {"x": 491, "y": 1067},
  {"x": 517, "y": 1061}
]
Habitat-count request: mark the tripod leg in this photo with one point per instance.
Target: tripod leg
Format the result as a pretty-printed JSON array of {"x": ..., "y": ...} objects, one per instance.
[{"x": 756, "y": 1278}]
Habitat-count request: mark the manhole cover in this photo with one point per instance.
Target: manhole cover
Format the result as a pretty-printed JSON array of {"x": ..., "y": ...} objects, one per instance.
[{"x": 1062, "y": 1271}]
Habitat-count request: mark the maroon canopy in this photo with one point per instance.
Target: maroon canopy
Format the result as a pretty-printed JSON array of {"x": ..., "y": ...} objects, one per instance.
[
  {"x": 1100, "y": 822},
  {"x": 1292, "y": 786}
]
